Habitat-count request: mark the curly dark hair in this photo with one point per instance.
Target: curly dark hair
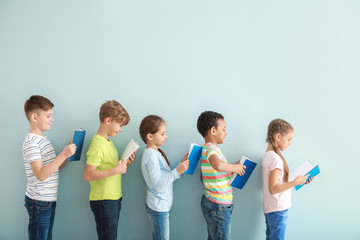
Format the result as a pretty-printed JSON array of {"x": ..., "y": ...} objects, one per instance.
[{"x": 207, "y": 120}]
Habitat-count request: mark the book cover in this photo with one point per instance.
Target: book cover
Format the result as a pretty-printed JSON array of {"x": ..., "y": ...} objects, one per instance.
[
  {"x": 130, "y": 149},
  {"x": 304, "y": 169},
  {"x": 194, "y": 157},
  {"x": 240, "y": 181},
  {"x": 78, "y": 140}
]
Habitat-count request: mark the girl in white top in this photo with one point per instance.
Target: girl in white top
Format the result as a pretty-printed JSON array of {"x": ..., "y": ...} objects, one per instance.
[{"x": 275, "y": 175}]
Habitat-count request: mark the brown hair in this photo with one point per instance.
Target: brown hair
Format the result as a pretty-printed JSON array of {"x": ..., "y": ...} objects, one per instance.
[
  {"x": 37, "y": 102},
  {"x": 151, "y": 124},
  {"x": 115, "y": 111},
  {"x": 282, "y": 127}
]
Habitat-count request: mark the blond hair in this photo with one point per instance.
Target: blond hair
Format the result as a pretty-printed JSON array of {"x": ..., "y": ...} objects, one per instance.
[
  {"x": 115, "y": 111},
  {"x": 282, "y": 127}
]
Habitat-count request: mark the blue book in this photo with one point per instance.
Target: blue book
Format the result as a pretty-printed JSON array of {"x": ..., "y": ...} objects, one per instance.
[
  {"x": 240, "y": 181},
  {"x": 78, "y": 140},
  {"x": 194, "y": 157},
  {"x": 304, "y": 169}
]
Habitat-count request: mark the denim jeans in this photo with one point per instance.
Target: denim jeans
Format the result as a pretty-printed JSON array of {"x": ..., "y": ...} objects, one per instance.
[
  {"x": 41, "y": 218},
  {"x": 160, "y": 224},
  {"x": 106, "y": 214},
  {"x": 276, "y": 225},
  {"x": 218, "y": 219}
]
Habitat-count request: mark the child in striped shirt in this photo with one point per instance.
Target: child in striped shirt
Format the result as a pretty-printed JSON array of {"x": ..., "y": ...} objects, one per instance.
[
  {"x": 42, "y": 168},
  {"x": 216, "y": 203}
]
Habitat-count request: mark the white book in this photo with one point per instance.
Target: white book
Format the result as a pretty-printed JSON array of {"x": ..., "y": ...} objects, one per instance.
[
  {"x": 130, "y": 149},
  {"x": 302, "y": 170}
]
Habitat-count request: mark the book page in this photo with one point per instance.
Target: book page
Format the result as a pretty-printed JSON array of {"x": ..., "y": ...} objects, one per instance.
[
  {"x": 130, "y": 148},
  {"x": 304, "y": 168}
]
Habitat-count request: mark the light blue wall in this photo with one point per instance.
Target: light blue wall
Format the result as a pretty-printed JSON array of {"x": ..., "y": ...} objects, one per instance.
[{"x": 253, "y": 61}]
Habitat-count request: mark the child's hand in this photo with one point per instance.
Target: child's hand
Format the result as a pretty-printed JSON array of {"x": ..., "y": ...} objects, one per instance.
[
  {"x": 239, "y": 168},
  {"x": 185, "y": 157},
  {"x": 120, "y": 167},
  {"x": 310, "y": 180},
  {"x": 300, "y": 180},
  {"x": 182, "y": 167},
  {"x": 69, "y": 150},
  {"x": 131, "y": 159}
]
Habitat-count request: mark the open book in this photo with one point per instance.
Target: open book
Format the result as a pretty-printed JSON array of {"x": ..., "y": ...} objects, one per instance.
[
  {"x": 78, "y": 140},
  {"x": 194, "y": 157},
  {"x": 304, "y": 169},
  {"x": 130, "y": 149},
  {"x": 240, "y": 181}
]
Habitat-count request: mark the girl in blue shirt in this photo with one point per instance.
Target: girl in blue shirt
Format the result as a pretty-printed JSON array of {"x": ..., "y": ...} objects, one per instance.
[{"x": 158, "y": 176}]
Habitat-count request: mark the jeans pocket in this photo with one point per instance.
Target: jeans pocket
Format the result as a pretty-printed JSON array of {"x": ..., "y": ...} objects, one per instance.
[
  {"x": 43, "y": 206},
  {"x": 30, "y": 210}
]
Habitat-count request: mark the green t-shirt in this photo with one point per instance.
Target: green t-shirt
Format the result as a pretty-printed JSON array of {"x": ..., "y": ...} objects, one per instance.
[{"x": 103, "y": 154}]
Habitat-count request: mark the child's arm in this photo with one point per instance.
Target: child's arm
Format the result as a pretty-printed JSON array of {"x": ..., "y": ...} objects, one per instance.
[
  {"x": 160, "y": 181},
  {"x": 91, "y": 172},
  {"x": 275, "y": 187},
  {"x": 222, "y": 166},
  {"x": 43, "y": 172}
]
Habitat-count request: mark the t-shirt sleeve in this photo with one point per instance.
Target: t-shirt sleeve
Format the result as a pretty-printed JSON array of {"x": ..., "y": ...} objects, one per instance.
[
  {"x": 32, "y": 152},
  {"x": 211, "y": 151},
  {"x": 94, "y": 156},
  {"x": 276, "y": 163}
]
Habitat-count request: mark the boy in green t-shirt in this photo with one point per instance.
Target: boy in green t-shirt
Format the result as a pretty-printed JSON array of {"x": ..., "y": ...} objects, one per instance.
[{"x": 103, "y": 170}]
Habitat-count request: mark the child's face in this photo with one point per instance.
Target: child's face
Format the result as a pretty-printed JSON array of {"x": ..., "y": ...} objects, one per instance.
[
  {"x": 114, "y": 128},
  {"x": 43, "y": 119},
  {"x": 220, "y": 132},
  {"x": 284, "y": 140},
  {"x": 160, "y": 136}
]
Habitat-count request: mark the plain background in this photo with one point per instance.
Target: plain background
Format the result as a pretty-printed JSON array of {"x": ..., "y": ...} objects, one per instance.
[{"x": 252, "y": 61}]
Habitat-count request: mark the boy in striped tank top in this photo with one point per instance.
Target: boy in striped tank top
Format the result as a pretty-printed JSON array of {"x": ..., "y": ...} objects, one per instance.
[
  {"x": 216, "y": 203},
  {"x": 42, "y": 168}
]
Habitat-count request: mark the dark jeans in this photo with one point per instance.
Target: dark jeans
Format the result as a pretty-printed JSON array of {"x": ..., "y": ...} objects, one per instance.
[
  {"x": 218, "y": 219},
  {"x": 106, "y": 214},
  {"x": 41, "y": 218}
]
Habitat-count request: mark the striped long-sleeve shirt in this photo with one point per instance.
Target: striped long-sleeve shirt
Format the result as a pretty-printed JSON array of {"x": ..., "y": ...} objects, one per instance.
[
  {"x": 217, "y": 184},
  {"x": 39, "y": 148}
]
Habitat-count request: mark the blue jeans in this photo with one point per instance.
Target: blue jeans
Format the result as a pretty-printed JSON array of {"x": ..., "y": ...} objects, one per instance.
[
  {"x": 276, "y": 225},
  {"x": 160, "y": 224},
  {"x": 106, "y": 214},
  {"x": 218, "y": 219},
  {"x": 41, "y": 218}
]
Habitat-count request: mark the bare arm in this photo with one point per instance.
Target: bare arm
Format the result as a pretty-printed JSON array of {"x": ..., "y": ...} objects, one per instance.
[
  {"x": 92, "y": 174},
  {"x": 275, "y": 187},
  {"x": 43, "y": 172},
  {"x": 222, "y": 166}
]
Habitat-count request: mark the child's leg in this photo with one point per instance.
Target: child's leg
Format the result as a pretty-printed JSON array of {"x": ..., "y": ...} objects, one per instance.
[
  {"x": 106, "y": 214},
  {"x": 276, "y": 225},
  {"x": 218, "y": 219},
  {"x": 41, "y": 218},
  {"x": 52, "y": 217},
  {"x": 160, "y": 224}
]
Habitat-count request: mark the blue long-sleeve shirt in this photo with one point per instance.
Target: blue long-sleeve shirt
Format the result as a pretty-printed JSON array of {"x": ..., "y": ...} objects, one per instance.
[{"x": 159, "y": 180}]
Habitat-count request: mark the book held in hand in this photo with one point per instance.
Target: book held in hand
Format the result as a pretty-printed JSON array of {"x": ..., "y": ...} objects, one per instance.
[
  {"x": 240, "y": 181},
  {"x": 130, "y": 149},
  {"x": 194, "y": 157},
  {"x": 78, "y": 140},
  {"x": 304, "y": 169}
]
